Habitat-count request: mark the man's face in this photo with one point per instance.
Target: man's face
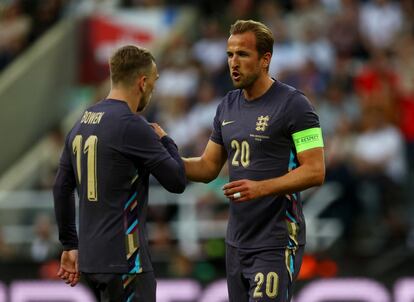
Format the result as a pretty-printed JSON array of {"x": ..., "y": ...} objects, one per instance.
[
  {"x": 243, "y": 59},
  {"x": 149, "y": 87}
]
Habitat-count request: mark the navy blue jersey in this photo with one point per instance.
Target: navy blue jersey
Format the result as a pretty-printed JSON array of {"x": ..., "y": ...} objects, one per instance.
[
  {"x": 108, "y": 156},
  {"x": 257, "y": 136}
]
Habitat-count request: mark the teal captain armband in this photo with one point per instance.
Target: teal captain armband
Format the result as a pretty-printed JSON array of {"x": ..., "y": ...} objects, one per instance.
[{"x": 307, "y": 139}]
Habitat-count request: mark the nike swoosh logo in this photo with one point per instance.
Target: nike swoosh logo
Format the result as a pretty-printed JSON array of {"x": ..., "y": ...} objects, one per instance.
[{"x": 224, "y": 123}]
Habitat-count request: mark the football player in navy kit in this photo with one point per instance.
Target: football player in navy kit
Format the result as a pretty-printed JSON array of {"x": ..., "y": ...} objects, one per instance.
[
  {"x": 270, "y": 135},
  {"x": 108, "y": 156}
]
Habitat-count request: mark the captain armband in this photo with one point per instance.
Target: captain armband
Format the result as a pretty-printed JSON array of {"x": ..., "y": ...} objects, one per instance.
[{"x": 307, "y": 139}]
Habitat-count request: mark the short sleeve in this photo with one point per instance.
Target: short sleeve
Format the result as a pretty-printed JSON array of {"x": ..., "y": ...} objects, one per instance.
[
  {"x": 300, "y": 114},
  {"x": 302, "y": 123},
  {"x": 216, "y": 134},
  {"x": 142, "y": 144}
]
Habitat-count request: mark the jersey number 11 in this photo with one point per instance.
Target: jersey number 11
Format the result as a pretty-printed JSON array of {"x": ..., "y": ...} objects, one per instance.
[{"x": 90, "y": 149}]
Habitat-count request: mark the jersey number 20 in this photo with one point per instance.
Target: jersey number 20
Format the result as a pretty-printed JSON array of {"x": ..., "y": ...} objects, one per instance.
[
  {"x": 90, "y": 149},
  {"x": 242, "y": 151}
]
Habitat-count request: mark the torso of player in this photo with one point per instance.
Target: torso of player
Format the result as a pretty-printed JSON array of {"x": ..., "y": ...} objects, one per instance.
[
  {"x": 254, "y": 137},
  {"x": 259, "y": 146},
  {"x": 108, "y": 181}
]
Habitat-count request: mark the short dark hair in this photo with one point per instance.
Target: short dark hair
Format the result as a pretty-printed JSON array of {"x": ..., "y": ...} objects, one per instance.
[
  {"x": 128, "y": 62},
  {"x": 264, "y": 36}
]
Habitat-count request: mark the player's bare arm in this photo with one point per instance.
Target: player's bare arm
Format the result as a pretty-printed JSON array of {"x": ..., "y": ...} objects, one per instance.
[
  {"x": 311, "y": 172},
  {"x": 206, "y": 167}
]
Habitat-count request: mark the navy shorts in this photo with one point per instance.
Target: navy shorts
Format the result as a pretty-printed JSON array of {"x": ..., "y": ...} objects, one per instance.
[
  {"x": 122, "y": 288},
  {"x": 262, "y": 275}
]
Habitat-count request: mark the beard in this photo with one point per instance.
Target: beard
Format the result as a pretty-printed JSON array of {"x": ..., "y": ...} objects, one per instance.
[
  {"x": 143, "y": 103},
  {"x": 247, "y": 82}
]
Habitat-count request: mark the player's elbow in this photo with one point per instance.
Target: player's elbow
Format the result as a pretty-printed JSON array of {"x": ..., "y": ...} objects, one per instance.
[
  {"x": 175, "y": 188},
  {"x": 319, "y": 179},
  {"x": 63, "y": 186},
  {"x": 59, "y": 191},
  {"x": 211, "y": 172},
  {"x": 179, "y": 185},
  {"x": 209, "y": 176},
  {"x": 318, "y": 175},
  {"x": 205, "y": 178},
  {"x": 56, "y": 189}
]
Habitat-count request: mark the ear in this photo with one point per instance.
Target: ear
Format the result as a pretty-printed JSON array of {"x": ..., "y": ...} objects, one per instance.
[
  {"x": 266, "y": 60},
  {"x": 142, "y": 82}
]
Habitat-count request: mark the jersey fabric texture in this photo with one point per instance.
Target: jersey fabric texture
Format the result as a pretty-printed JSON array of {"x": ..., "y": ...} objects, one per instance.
[
  {"x": 257, "y": 136},
  {"x": 108, "y": 156}
]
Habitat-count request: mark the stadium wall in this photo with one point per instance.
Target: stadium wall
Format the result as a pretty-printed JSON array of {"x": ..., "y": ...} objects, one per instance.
[{"x": 34, "y": 90}]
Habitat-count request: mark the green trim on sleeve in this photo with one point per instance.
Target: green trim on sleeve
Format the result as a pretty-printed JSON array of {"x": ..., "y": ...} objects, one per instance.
[{"x": 308, "y": 139}]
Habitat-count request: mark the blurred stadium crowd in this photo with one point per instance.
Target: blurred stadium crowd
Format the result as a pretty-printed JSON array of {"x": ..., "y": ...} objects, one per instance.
[{"x": 353, "y": 59}]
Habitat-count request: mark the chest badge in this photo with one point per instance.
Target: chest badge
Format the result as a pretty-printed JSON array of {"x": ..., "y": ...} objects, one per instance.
[{"x": 261, "y": 123}]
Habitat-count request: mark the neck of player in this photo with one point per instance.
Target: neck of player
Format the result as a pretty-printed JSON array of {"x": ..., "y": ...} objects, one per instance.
[
  {"x": 258, "y": 88},
  {"x": 125, "y": 95}
]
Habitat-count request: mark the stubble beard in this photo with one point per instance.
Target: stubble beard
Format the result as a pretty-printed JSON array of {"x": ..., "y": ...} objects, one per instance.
[
  {"x": 247, "y": 82},
  {"x": 143, "y": 103}
]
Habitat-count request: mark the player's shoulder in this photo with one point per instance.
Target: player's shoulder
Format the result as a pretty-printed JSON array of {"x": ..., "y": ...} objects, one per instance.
[
  {"x": 231, "y": 97},
  {"x": 286, "y": 91},
  {"x": 290, "y": 95},
  {"x": 137, "y": 124},
  {"x": 137, "y": 119}
]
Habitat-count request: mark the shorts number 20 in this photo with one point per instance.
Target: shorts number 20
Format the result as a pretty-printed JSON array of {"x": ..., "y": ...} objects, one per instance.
[{"x": 272, "y": 284}]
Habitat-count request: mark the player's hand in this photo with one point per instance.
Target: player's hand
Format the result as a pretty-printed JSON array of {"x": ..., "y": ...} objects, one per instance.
[
  {"x": 157, "y": 128},
  {"x": 68, "y": 270},
  {"x": 242, "y": 190}
]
